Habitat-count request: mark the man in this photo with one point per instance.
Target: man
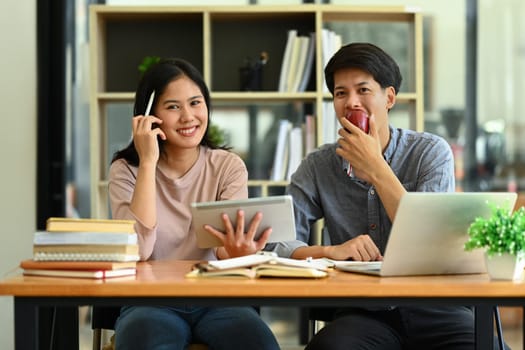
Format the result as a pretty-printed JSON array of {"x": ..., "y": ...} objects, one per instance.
[{"x": 358, "y": 209}]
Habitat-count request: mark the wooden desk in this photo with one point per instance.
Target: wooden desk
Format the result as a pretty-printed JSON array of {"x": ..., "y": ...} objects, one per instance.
[{"x": 164, "y": 283}]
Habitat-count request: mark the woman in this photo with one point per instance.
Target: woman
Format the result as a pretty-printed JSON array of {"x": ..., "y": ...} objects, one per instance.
[{"x": 170, "y": 163}]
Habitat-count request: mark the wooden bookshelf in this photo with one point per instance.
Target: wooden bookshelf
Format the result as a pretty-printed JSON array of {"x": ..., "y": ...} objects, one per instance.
[{"x": 217, "y": 40}]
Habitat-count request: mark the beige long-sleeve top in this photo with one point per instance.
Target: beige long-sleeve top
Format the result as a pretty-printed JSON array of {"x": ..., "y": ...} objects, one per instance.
[{"x": 216, "y": 175}]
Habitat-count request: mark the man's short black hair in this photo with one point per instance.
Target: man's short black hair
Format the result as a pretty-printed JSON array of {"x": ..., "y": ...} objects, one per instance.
[{"x": 367, "y": 57}]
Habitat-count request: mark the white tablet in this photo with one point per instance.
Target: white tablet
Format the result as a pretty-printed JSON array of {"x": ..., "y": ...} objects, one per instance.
[{"x": 277, "y": 213}]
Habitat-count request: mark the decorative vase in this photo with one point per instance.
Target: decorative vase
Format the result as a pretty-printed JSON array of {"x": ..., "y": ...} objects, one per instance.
[{"x": 505, "y": 266}]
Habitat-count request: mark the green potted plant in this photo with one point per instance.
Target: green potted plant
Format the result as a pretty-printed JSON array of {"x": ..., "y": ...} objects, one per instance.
[
  {"x": 147, "y": 62},
  {"x": 502, "y": 235}
]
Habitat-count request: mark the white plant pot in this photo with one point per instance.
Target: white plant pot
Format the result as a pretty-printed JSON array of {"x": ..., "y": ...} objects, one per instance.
[{"x": 505, "y": 266}]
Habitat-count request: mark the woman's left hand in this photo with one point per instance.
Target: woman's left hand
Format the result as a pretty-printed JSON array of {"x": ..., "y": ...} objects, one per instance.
[{"x": 236, "y": 242}]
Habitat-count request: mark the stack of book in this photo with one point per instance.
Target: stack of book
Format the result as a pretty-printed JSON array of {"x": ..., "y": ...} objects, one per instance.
[{"x": 88, "y": 248}]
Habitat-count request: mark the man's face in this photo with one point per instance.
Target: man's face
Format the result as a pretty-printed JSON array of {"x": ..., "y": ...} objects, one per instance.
[{"x": 355, "y": 89}]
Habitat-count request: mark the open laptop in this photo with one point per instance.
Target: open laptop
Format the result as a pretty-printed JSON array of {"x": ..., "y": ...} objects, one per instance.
[
  {"x": 277, "y": 213},
  {"x": 429, "y": 232}
]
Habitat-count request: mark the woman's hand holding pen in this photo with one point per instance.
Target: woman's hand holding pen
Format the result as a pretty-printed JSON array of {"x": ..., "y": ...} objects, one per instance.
[
  {"x": 145, "y": 138},
  {"x": 237, "y": 242},
  {"x": 143, "y": 202}
]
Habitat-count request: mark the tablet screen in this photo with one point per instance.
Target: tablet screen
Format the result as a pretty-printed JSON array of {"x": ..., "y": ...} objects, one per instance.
[{"x": 277, "y": 213}]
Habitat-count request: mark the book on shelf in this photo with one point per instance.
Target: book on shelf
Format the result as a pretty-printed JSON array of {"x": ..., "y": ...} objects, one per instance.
[
  {"x": 298, "y": 63},
  {"x": 309, "y": 134},
  {"x": 293, "y": 143},
  {"x": 330, "y": 123},
  {"x": 280, "y": 160},
  {"x": 94, "y": 274},
  {"x": 295, "y": 149},
  {"x": 292, "y": 65},
  {"x": 331, "y": 42},
  {"x": 31, "y": 264},
  {"x": 72, "y": 237},
  {"x": 89, "y": 252},
  {"x": 285, "y": 65},
  {"x": 259, "y": 265},
  {"x": 59, "y": 224},
  {"x": 308, "y": 64}
]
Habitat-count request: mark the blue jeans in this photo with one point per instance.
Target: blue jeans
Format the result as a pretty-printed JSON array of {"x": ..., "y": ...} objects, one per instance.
[{"x": 221, "y": 328}]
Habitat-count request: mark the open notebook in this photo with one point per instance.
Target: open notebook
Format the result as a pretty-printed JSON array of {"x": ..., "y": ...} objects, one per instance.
[{"x": 429, "y": 232}]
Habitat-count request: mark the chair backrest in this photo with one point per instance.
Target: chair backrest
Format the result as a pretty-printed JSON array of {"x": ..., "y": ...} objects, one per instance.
[{"x": 104, "y": 317}]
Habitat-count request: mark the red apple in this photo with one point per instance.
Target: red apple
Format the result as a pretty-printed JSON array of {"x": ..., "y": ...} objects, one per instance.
[{"x": 359, "y": 119}]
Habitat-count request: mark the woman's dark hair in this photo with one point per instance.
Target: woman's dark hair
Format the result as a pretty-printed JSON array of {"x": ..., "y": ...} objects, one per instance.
[
  {"x": 156, "y": 78},
  {"x": 367, "y": 57}
]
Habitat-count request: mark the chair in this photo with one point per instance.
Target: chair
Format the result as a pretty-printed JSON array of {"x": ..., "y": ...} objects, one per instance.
[
  {"x": 318, "y": 314},
  {"x": 317, "y": 317},
  {"x": 104, "y": 317}
]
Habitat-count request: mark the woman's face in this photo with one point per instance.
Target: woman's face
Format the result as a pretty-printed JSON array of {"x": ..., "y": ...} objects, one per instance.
[{"x": 184, "y": 113}]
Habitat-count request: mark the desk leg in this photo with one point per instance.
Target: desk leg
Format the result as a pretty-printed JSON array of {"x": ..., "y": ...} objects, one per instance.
[
  {"x": 26, "y": 325},
  {"x": 45, "y": 327},
  {"x": 523, "y": 327},
  {"x": 484, "y": 327}
]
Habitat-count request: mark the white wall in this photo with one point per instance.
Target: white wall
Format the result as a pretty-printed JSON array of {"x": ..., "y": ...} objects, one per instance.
[{"x": 17, "y": 145}]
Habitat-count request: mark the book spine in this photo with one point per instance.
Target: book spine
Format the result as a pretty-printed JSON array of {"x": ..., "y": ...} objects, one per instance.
[
  {"x": 285, "y": 66},
  {"x": 304, "y": 43},
  {"x": 294, "y": 62},
  {"x": 44, "y": 237},
  {"x": 305, "y": 78},
  {"x": 45, "y": 256},
  {"x": 296, "y": 150},
  {"x": 310, "y": 133},
  {"x": 281, "y": 150}
]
